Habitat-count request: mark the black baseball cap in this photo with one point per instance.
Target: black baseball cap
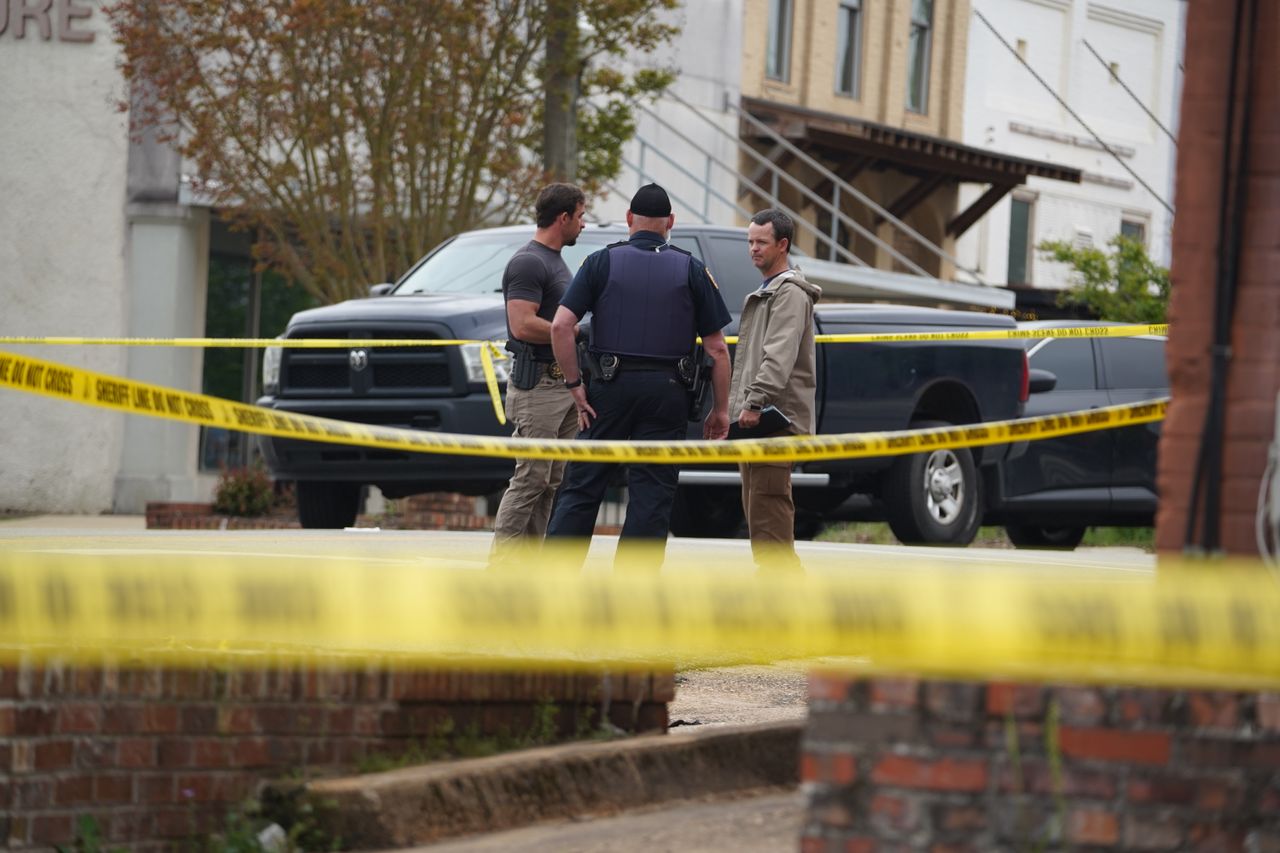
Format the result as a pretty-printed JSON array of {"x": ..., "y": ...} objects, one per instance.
[{"x": 651, "y": 200}]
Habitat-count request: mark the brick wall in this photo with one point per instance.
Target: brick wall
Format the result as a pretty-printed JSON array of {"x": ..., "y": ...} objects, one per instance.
[
  {"x": 1254, "y": 369},
  {"x": 158, "y": 755},
  {"x": 970, "y": 766}
]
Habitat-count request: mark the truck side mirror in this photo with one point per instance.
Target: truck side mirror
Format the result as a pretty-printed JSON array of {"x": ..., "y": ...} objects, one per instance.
[
  {"x": 1040, "y": 381},
  {"x": 380, "y": 289}
]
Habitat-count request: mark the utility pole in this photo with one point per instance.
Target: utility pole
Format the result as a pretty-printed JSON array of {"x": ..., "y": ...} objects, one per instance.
[{"x": 563, "y": 86}]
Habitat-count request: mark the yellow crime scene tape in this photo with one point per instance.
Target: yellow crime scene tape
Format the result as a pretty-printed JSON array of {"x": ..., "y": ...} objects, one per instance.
[
  {"x": 340, "y": 343},
  {"x": 73, "y": 384},
  {"x": 1218, "y": 627}
]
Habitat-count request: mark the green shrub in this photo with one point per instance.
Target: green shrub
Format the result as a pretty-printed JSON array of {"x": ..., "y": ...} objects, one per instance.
[{"x": 245, "y": 491}]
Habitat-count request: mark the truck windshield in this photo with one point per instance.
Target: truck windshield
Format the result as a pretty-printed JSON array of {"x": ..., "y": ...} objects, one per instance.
[{"x": 473, "y": 263}]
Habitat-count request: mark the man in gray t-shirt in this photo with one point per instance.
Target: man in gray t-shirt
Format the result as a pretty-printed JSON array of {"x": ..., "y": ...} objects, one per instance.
[{"x": 532, "y": 285}]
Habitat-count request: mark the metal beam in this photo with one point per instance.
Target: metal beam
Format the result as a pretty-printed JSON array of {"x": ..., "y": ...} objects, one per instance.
[
  {"x": 964, "y": 221},
  {"x": 915, "y": 195}
]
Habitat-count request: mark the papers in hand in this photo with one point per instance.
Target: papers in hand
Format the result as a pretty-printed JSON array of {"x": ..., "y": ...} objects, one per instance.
[{"x": 771, "y": 421}]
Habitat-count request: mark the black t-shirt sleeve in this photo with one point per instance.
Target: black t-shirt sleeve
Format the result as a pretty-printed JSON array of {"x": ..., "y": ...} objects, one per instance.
[
  {"x": 710, "y": 312},
  {"x": 587, "y": 283},
  {"x": 525, "y": 277}
]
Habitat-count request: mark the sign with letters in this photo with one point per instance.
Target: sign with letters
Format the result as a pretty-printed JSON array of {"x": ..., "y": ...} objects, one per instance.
[{"x": 46, "y": 20}]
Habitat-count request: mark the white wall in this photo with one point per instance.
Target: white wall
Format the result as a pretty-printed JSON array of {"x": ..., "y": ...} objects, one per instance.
[
  {"x": 1007, "y": 110},
  {"x": 708, "y": 54},
  {"x": 62, "y": 238}
]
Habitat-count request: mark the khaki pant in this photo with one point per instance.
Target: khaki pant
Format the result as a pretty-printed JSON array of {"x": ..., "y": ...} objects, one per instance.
[
  {"x": 544, "y": 411},
  {"x": 771, "y": 513}
]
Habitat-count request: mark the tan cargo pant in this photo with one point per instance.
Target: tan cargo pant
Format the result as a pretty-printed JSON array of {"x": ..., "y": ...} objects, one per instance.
[
  {"x": 544, "y": 411},
  {"x": 771, "y": 514}
]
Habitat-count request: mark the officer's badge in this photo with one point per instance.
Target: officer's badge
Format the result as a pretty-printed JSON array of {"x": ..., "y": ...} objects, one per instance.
[{"x": 712, "y": 279}]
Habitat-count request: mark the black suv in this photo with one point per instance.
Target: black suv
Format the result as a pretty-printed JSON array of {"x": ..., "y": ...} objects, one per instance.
[{"x": 1047, "y": 492}]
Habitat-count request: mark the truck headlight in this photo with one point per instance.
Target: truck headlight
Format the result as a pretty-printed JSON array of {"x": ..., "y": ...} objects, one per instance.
[
  {"x": 271, "y": 370},
  {"x": 475, "y": 367}
]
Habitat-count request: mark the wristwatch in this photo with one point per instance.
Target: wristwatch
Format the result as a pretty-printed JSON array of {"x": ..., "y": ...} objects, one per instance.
[{"x": 574, "y": 384}]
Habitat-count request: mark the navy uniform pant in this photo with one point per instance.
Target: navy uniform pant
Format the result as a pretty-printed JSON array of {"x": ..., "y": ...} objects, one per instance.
[{"x": 641, "y": 404}]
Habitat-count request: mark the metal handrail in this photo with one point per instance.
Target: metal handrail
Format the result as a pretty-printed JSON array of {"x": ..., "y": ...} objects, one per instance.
[
  {"x": 835, "y": 212},
  {"x": 834, "y": 178}
]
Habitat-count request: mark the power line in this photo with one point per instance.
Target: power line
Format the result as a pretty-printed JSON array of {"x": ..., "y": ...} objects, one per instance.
[
  {"x": 1114, "y": 76},
  {"x": 1073, "y": 113}
]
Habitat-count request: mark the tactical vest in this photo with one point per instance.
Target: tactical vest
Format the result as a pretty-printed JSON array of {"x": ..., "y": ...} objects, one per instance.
[{"x": 646, "y": 308}]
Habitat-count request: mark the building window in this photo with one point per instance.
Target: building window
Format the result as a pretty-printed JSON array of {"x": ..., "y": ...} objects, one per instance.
[
  {"x": 778, "y": 61},
  {"x": 1134, "y": 229},
  {"x": 1019, "y": 241},
  {"x": 918, "y": 55},
  {"x": 849, "y": 48}
]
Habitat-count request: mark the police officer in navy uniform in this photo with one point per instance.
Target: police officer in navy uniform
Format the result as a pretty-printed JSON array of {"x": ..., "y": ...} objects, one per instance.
[{"x": 649, "y": 301}]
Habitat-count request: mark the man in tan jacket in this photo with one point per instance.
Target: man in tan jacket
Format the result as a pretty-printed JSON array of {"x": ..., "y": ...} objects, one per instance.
[{"x": 774, "y": 365}]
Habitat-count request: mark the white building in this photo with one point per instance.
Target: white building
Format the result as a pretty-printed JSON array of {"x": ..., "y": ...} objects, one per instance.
[
  {"x": 95, "y": 240},
  {"x": 1139, "y": 43}
]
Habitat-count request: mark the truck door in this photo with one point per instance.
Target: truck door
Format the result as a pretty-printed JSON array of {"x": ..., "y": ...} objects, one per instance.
[
  {"x": 1074, "y": 470},
  {"x": 1133, "y": 370}
]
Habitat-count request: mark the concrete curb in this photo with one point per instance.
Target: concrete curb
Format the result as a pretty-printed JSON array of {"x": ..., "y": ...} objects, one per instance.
[{"x": 419, "y": 805}]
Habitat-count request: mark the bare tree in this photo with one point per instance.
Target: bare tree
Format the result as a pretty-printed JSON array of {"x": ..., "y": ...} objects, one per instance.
[{"x": 355, "y": 136}]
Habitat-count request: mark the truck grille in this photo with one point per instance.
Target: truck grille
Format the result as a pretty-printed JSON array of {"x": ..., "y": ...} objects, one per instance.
[{"x": 385, "y": 372}]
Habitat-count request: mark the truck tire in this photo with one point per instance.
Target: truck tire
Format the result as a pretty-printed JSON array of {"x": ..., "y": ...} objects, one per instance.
[
  {"x": 707, "y": 512},
  {"x": 1031, "y": 536},
  {"x": 326, "y": 506},
  {"x": 933, "y": 498}
]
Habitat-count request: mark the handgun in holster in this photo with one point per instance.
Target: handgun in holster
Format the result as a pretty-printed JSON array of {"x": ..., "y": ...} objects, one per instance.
[
  {"x": 525, "y": 369},
  {"x": 589, "y": 362},
  {"x": 695, "y": 372}
]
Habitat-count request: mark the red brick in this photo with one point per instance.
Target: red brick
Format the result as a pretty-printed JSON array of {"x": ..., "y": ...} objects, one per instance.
[
  {"x": 1217, "y": 752},
  {"x": 156, "y": 788},
  {"x": 341, "y": 721},
  {"x": 251, "y": 752},
  {"x": 115, "y": 788},
  {"x": 199, "y": 719},
  {"x": 1269, "y": 711},
  {"x": 35, "y": 721},
  {"x": 161, "y": 719},
  {"x": 54, "y": 754},
  {"x": 237, "y": 720},
  {"x": 87, "y": 681},
  {"x": 890, "y": 693},
  {"x": 51, "y": 829},
  {"x": 1092, "y": 826},
  {"x": 1109, "y": 745},
  {"x": 174, "y": 753},
  {"x": 825, "y": 687},
  {"x": 95, "y": 753},
  {"x": 1037, "y": 777},
  {"x": 8, "y": 682},
  {"x": 813, "y": 844},
  {"x": 136, "y": 753},
  {"x": 947, "y": 774},
  {"x": 210, "y": 752},
  {"x": 1213, "y": 710},
  {"x": 1162, "y": 789},
  {"x": 1143, "y": 706},
  {"x": 121, "y": 719},
  {"x": 1212, "y": 838},
  {"x": 948, "y": 737},
  {"x": 8, "y": 721},
  {"x": 73, "y": 790}
]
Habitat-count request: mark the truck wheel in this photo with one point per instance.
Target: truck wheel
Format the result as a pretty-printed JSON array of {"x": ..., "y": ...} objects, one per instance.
[
  {"x": 327, "y": 505},
  {"x": 933, "y": 498},
  {"x": 706, "y": 512},
  {"x": 1031, "y": 536}
]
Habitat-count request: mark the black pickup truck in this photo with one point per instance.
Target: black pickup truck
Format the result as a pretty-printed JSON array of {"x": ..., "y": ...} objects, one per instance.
[{"x": 455, "y": 292}]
